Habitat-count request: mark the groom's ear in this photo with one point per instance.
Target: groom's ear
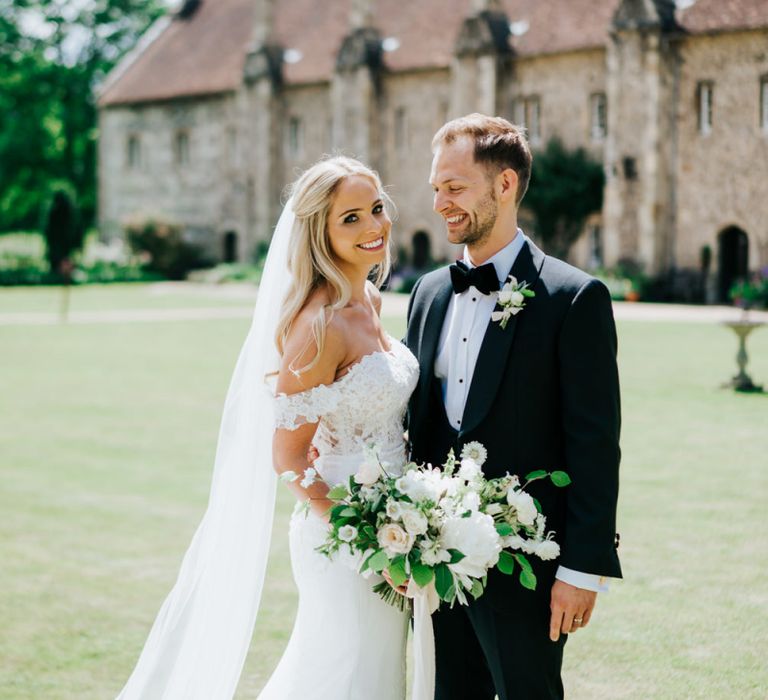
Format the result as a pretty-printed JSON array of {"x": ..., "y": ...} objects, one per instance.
[{"x": 506, "y": 185}]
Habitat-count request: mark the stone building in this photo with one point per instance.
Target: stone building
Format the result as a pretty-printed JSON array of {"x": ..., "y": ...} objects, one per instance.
[{"x": 225, "y": 101}]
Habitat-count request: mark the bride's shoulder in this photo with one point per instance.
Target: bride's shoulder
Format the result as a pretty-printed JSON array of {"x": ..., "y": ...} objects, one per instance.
[{"x": 305, "y": 364}]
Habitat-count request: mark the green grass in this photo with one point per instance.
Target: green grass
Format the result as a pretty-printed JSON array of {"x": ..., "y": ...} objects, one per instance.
[
  {"x": 105, "y": 297},
  {"x": 107, "y": 437}
]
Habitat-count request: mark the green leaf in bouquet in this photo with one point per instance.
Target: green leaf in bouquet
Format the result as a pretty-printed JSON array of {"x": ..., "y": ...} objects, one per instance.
[
  {"x": 528, "y": 579},
  {"x": 560, "y": 478},
  {"x": 503, "y": 529},
  {"x": 506, "y": 563},
  {"x": 397, "y": 571},
  {"x": 338, "y": 493},
  {"x": 477, "y": 589},
  {"x": 524, "y": 563},
  {"x": 369, "y": 531},
  {"x": 348, "y": 512},
  {"x": 422, "y": 574},
  {"x": 527, "y": 292},
  {"x": 538, "y": 474},
  {"x": 537, "y": 504},
  {"x": 378, "y": 561},
  {"x": 456, "y": 556},
  {"x": 443, "y": 581}
]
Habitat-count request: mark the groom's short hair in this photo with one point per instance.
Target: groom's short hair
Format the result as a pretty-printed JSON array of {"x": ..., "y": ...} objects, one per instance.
[{"x": 499, "y": 144}]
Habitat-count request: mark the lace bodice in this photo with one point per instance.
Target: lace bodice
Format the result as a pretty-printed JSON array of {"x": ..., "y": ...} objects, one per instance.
[{"x": 364, "y": 407}]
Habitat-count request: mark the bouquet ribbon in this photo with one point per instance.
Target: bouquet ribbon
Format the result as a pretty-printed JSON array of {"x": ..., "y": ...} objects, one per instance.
[{"x": 425, "y": 602}]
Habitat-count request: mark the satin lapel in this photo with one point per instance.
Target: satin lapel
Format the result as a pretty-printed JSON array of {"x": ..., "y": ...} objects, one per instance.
[
  {"x": 433, "y": 325},
  {"x": 497, "y": 343}
]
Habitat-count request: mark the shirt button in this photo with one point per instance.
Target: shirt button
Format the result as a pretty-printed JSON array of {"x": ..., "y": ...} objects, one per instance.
[
  {"x": 464, "y": 339},
  {"x": 461, "y": 381},
  {"x": 474, "y": 298}
]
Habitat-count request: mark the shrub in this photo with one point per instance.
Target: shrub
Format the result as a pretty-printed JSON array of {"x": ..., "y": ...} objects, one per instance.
[
  {"x": 751, "y": 292},
  {"x": 163, "y": 247}
]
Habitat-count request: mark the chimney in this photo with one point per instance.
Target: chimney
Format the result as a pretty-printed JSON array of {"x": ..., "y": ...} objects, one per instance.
[
  {"x": 361, "y": 14},
  {"x": 263, "y": 22}
]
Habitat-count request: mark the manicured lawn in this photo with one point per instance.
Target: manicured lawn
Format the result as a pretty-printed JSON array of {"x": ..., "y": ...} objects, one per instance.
[{"x": 107, "y": 436}]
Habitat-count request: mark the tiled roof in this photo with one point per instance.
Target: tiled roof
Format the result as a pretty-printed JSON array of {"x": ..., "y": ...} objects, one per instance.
[
  {"x": 205, "y": 53},
  {"x": 723, "y": 15},
  {"x": 200, "y": 55}
]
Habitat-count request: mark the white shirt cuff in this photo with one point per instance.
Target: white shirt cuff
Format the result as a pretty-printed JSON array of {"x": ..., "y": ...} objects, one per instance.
[{"x": 589, "y": 582}]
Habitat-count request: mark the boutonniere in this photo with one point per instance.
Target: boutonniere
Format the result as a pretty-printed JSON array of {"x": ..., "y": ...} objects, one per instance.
[{"x": 511, "y": 299}]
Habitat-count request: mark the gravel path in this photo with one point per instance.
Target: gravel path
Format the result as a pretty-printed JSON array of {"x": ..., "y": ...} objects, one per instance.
[{"x": 394, "y": 305}]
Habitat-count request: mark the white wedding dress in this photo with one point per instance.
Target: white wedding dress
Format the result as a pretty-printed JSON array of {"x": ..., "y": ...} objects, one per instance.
[{"x": 346, "y": 644}]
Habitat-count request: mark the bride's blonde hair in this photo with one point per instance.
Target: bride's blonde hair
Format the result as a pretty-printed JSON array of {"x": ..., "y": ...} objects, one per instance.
[{"x": 310, "y": 260}]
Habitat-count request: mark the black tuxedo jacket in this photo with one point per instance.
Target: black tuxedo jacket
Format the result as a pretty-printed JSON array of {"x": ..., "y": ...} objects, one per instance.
[{"x": 544, "y": 395}]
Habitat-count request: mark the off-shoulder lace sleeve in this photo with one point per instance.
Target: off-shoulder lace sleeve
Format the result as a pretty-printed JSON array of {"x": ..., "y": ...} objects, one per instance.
[{"x": 294, "y": 410}]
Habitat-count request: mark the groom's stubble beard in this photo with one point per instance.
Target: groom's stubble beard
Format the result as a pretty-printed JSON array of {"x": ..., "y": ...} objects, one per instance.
[{"x": 480, "y": 229}]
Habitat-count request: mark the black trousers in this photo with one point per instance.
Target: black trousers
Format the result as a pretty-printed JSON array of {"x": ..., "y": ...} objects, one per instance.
[{"x": 491, "y": 648}]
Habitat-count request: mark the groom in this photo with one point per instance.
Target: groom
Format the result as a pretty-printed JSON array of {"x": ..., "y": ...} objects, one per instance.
[{"x": 540, "y": 393}]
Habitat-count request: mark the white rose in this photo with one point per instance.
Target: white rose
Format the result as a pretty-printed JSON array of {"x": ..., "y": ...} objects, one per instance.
[
  {"x": 394, "y": 510},
  {"x": 547, "y": 549},
  {"x": 347, "y": 533},
  {"x": 368, "y": 473},
  {"x": 512, "y": 281},
  {"x": 505, "y": 296},
  {"x": 414, "y": 522},
  {"x": 476, "y": 538},
  {"x": 394, "y": 540},
  {"x": 516, "y": 298},
  {"x": 523, "y": 505}
]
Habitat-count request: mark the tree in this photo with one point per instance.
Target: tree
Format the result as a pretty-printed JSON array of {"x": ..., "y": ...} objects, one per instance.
[
  {"x": 566, "y": 187},
  {"x": 63, "y": 234},
  {"x": 53, "y": 54}
]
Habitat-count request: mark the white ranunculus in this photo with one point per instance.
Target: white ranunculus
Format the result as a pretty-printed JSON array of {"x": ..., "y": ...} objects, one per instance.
[
  {"x": 394, "y": 540},
  {"x": 347, "y": 533},
  {"x": 476, "y": 538},
  {"x": 367, "y": 473},
  {"x": 414, "y": 521},
  {"x": 394, "y": 509},
  {"x": 516, "y": 298},
  {"x": 523, "y": 505},
  {"x": 505, "y": 296},
  {"x": 547, "y": 549}
]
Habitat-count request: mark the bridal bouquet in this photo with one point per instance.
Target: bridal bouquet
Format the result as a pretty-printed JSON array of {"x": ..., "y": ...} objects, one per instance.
[{"x": 443, "y": 528}]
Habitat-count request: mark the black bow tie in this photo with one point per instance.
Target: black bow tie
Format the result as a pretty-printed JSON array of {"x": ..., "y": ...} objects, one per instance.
[{"x": 482, "y": 278}]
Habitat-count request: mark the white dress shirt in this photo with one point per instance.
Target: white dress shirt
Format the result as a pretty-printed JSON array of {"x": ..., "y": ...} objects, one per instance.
[{"x": 465, "y": 324}]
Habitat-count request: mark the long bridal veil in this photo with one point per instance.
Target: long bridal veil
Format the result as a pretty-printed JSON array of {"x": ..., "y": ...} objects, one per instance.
[{"x": 198, "y": 643}]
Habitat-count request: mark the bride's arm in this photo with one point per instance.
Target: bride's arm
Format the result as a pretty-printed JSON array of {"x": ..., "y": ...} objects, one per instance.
[{"x": 291, "y": 445}]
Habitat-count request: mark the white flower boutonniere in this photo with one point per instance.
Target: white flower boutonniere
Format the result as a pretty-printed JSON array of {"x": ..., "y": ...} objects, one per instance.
[{"x": 511, "y": 299}]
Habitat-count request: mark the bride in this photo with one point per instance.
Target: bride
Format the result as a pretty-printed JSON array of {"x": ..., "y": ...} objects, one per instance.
[{"x": 342, "y": 385}]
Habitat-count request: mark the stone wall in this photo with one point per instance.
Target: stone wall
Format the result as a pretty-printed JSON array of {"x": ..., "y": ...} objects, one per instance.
[
  {"x": 192, "y": 192},
  {"x": 721, "y": 177}
]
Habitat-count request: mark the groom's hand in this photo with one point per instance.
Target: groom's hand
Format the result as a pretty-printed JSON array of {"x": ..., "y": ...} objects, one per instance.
[{"x": 571, "y": 608}]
